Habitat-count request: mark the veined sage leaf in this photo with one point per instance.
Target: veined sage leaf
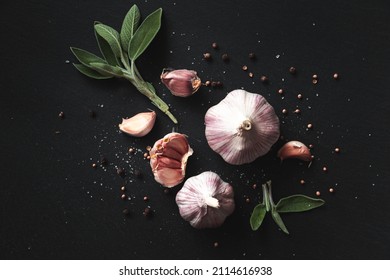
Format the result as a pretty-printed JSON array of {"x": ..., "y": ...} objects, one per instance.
[
  {"x": 86, "y": 57},
  {"x": 145, "y": 34},
  {"x": 129, "y": 26},
  {"x": 298, "y": 203},
  {"x": 90, "y": 72},
  {"x": 106, "y": 69},
  {"x": 278, "y": 220},
  {"x": 257, "y": 216},
  {"x": 105, "y": 48},
  {"x": 111, "y": 36}
]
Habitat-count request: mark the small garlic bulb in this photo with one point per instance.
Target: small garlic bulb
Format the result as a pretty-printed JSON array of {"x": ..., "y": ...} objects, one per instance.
[
  {"x": 205, "y": 200},
  {"x": 138, "y": 125},
  {"x": 242, "y": 127}
]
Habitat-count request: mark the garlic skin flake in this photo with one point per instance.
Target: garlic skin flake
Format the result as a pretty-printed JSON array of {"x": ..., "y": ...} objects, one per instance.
[
  {"x": 242, "y": 127},
  {"x": 295, "y": 149},
  {"x": 205, "y": 200},
  {"x": 168, "y": 159},
  {"x": 138, "y": 125}
]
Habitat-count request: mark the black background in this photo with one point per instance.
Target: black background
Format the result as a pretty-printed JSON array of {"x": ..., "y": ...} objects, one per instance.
[{"x": 54, "y": 205}]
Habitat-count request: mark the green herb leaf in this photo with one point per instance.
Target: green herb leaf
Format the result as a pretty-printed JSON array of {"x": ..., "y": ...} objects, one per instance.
[
  {"x": 105, "y": 48},
  {"x": 298, "y": 203},
  {"x": 257, "y": 216},
  {"x": 145, "y": 34},
  {"x": 106, "y": 69},
  {"x": 111, "y": 36},
  {"x": 90, "y": 72},
  {"x": 129, "y": 26},
  {"x": 86, "y": 57},
  {"x": 278, "y": 220}
]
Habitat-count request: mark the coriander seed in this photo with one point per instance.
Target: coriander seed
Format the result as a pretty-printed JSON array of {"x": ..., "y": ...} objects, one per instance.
[
  {"x": 264, "y": 79},
  {"x": 292, "y": 70},
  {"x": 207, "y": 56},
  {"x": 225, "y": 57},
  {"x": 214, "y": 46}
]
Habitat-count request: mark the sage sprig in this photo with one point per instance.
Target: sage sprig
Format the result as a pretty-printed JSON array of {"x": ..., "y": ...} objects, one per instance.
[
  {"x": 290, "y": 204},
  {"x": 120, "y": 50}
]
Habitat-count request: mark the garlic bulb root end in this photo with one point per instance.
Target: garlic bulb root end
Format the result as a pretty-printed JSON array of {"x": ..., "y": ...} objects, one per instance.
[{"x": 211, "y": 201}]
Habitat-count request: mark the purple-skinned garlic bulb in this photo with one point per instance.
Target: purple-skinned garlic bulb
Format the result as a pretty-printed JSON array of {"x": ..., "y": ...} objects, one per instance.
[
  {"x": 205, "y": 200},
  {"x": 168, "y": 159},
  {"x": 242, "y": 127}
]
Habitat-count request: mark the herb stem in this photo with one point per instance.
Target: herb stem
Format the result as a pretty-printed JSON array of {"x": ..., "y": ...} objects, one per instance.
[{"x": 147, "y": 89}]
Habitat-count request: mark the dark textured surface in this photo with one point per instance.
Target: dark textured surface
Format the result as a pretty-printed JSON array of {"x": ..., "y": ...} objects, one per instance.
[{"x": 54, "y": 205}]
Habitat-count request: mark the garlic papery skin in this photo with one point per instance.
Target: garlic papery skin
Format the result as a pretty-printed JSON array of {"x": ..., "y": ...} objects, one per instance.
[
  {"x": 205, "y": 200},
  {"x": 181, "y": 82},
  {"x": 168, "y": 159},
  {"x": 138, "y": 125},
  {"x": 295, "y": 149},
  {"x": 242, "y": 127}
]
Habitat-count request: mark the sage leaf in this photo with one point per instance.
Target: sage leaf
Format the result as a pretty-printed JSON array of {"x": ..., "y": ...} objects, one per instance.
[
  {"x": 145, "y": 34},
  {"x": 278, "y": 220},
  {"x": 257, "y": 216},
  {"x": 86, "y": 57},
  {"x": 298, "y": 203},
  {"x": 129, "y": 26},
  {"x": 106, "y": 69},
  {"x": 105, "y": 48},
  {"x": 90, "y": 72},
  {"x": 111, "y": 36}
]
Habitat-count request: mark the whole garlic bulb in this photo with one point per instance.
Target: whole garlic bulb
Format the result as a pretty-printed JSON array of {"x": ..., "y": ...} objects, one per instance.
[
  {"x": 168, "y": 159},
  {"x": 205, "y": 200},
  {"x": 242, "y": 127}
]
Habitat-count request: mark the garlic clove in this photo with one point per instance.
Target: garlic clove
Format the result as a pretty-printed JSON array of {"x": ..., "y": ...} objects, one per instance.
[
  {"x": 242, "y": 127},
  {"x": 205, "y": 200},
  {"x": 181, "y": 82},
  {"x": 138, "y": 125},
  {"x": 168, "y": 159},
  {"x": 295, "y": 149}
]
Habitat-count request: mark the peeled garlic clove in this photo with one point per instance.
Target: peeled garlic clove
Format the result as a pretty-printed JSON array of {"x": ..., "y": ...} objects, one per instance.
[
  {"x": 181, "y": 82},
  {"x": 242, "y": 127},
  {"x": 138, "y": 125},
  {"x": 168, "y": 159},
  {"x": 205, "y": 200},
  {"x": 295, "y": 149}
]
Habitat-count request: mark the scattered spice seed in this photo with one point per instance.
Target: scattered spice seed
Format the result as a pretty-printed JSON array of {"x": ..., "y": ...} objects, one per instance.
[
  {"x": 247, "y": 200},
  {"x": 207, "y": 83},
  {"x": 337, "y": 150},
  {"x": 225, "y": 57},
  {"x": 311, "y": 146},
  {"x": 123, "y": 196},
  {"x": 61, "y": 115},
  {"x": 244, "y": 67},
  {"x": 318, "y": 193},
  {"x": 254, "y": 186},
  {"x": 312, "y": 157},
  {"x": 103, "y": 160},
  {"x": 92, "y": 114},
  {"x": 292, "y": 70},
  {"x": 264, "y": 79},
  {"x": 252, "y": 55},
  {"x": 214, "y": 46},
  {"x": 166, "y": 191},
  {"x": 297, "y": 111},
  {"x": 299, "y": 96},
  {"x": 126, "y": 211},
  {"x": 309, "y": 126},
  {"x": 331, "y": 190},
  {"x": 335, "y": 76},
  {"x": 219, "y": 84},
  {"x": 302, "y": 182},
  {"x": 207, "y": 56},
  {"x": 94, "y": 165},
  {"x": 148, "y": 148},
  {"x": 250, "y": 75},
  {"x": 280, "y": 91},
  {"x": 216, "y": 244},
  {"x": 146, "y": 155},
  {"x": 315, "y": 76},
  {"x": 325, "y": 169},
  {"x": 147, "y": 211},
  {"x": 57, "y": 132},
  {"x": 138, "y": 173},
  {"x": 123, "y": 188},
  {"x": 146, "y": 198},
  {"x": 120, "y": 171},
  {"x": 315, "y": 81},
  {"x": 284, "y": 111}
]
